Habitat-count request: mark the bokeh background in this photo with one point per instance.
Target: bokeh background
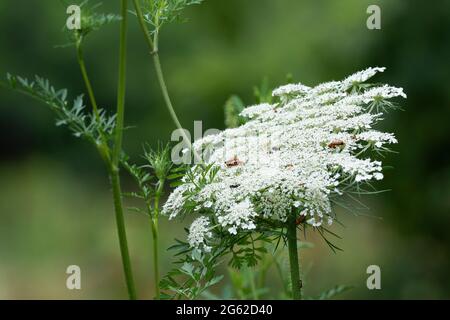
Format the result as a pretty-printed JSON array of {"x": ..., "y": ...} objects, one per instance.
[{"x": 55, "y": 203}]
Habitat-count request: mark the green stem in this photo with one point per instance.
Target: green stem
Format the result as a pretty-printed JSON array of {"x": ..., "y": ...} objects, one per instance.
[
  {"x": 141, "y": 20},
  {"x": 114, "y": 169},
  {"x": 169, "y": 105},
  {"x": 120, "y": 222},
  {"x": 121, "y": 86},
  {"x": 87, "y": 82},
  {"x": 293, "y": 258},
  {"x": 153, "y": 47},
  {"x": 165, "y": 92},
  {"x": 102, "y": 146},
  {"x": 155, "y": 235}
]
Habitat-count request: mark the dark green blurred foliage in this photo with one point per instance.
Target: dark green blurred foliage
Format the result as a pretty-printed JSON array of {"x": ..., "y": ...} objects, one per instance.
[{"x": 55, "y": 205}]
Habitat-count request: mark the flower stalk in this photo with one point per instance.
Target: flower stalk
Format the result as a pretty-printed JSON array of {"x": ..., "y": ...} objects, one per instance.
[
  {"x": 87, "y": 82},
  {"x": 102, "y": 146},
  {"x": 155, "y": 236},
  {"x": 114, "y": 168},
  {"x": 153, "y": 45},
  {"x": 293, "y": 258}
]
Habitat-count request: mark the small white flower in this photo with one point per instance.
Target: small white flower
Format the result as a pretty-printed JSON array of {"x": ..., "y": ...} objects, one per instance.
[
  {"x": 378, "y": 176},
  {"x": 330, "y": 221},
  {"x": 208, "y": 204},
  {"x": 291, "y": 89},
  {"x": 199, "y": 232},
  {"x": 314, "y": 222}
]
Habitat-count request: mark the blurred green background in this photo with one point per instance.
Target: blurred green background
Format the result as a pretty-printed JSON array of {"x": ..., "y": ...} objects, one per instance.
[{"x": 55, "y": 203}]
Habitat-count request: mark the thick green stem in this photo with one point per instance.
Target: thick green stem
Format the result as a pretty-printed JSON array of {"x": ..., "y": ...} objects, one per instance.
[
  {"x": 121, "y": 86},
  {"x": 155, "y": 236},
  {"x": 120, "y": 221},
  {"x": 114, "y": 170},
  {"x": 293, "y": 258}
]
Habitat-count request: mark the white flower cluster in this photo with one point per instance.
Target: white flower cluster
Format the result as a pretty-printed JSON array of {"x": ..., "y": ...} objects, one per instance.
[
  {"x": 199, "y": 232},
  {"x": 290, "y": 155}
]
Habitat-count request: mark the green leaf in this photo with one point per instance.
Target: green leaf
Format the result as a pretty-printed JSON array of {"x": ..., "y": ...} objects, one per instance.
[
  {"x": 91, "y": 21},
  {"x": 214, "y": 281},
  {"x": 159, "y": 160},
  {"x": 160, "y": 12},
  {"x": 80, "y": 122},
  {"x": 334, "y": 292},
  {"x": 188, "y": 268}
]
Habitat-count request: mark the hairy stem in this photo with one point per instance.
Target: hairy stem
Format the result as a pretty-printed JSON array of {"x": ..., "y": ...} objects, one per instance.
[
  {"x": 293, "y": 258},
  {"x": 114, "y": 170}
]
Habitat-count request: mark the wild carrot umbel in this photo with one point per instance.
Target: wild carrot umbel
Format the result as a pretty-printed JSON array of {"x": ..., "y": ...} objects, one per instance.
[
  {"x": 279, "y": 167},
  {"x": 281, "y": 170}
]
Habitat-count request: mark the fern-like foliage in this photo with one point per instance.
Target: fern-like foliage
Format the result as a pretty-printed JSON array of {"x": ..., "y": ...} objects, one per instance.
[
  {"x": 83, "y": 124},
  {"x": 194, "y": 275},
  {"x": 91, "y": 21},
  {"x": 151, "y": 176},
  {"x": 335, "y": 291},
  {"x": 160, "y": 12}
]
